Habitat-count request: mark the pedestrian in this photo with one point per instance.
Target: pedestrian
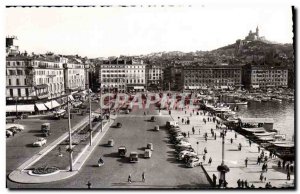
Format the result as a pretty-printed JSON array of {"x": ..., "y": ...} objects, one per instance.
[
  {"x": 188, "y": 134},
  {"x": 288, "y": 175},
  {"x": 246, "y": 184},
  {"x": 178, "y": 118},
  {"x": 266, "y": 167},
  {"x": 258, "y": 160},
  {"x": 205, "y": 150},
  {"x": 129, "y": 178},
  {"x": 203, "y": 158},
  {"x": 279, "y": 164},
  {"x": 231, "y": 140},
  {"x": 215, "y": 136},
  {"x": 239, "y": 183},
  {"x": 193, "y": 130},
  {"x": 89, "y": 184},
  {"x": 235, "y": 135},
  {"x": 249, "y": 142},
  {"x": 214, "y": 180},
  {"x": 143, "y": 177},
  {"x": 246, "y": 162},
  {"x": 263, "y": 167},
  {"x": 261, "y": 177},
  {"x": 209, "y": 161},
  {"x": 182, "y": 120},
  {"x": 206, "y": 138},
  {"x": 242, "y": 183},
  {"x": 225, "y": 183}
]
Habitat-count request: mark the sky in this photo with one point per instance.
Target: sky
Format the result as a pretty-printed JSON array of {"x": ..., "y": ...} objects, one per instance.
[{"x": 114, "y": 31}]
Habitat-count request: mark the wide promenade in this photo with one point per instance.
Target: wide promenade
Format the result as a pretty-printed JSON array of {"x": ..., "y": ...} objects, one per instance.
[{"x": 234, "y": 159}]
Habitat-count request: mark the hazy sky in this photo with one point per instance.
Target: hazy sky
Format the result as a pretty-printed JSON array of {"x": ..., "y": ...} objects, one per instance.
[{"x": 96, "y": 32}]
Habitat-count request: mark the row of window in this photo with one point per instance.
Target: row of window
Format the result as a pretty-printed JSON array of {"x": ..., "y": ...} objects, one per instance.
[
  {"x": 17, "y": 83},
  {"x": 14, "y": 63},
  {"x": 49, "y": 72},
  {"x": 16, "y": 72},
  {"x": 129, "y": 66},
  {"x": 127, "y": 81},
  {"x": 19, "y": 93},
  {"x": 269, "y": 71}
]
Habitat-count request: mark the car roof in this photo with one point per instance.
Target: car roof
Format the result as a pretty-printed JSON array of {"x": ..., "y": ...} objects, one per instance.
[{"x": 133, "y": 153}]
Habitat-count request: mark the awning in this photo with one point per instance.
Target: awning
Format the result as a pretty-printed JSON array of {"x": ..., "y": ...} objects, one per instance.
[
  {"x": 224, "y": 87},
  {"x": 20, "y": 108},
  {"x": 52, "y": 104},
  {"x": 41, "y": 107},
  {"x": 138, "y": 87},
  {"x": 71, "y": 97},
  {"x": 255, "y": 86}
]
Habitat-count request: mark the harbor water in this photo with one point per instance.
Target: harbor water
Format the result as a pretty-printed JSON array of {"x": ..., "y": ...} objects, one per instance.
[{"x": 281, "y": 112}]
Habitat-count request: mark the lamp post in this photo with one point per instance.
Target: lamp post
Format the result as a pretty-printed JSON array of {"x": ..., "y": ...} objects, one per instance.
[
  {"x": 197, "y": 147},
  {"x": 90, "y": 117},
  {"x": 16, "y": 107},
  {"x": 70, "y": 138},
  {"x": 223, "y": 169}
]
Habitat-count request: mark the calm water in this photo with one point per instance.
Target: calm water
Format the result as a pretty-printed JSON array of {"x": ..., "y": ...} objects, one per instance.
[{"x": 282, "y": 113}]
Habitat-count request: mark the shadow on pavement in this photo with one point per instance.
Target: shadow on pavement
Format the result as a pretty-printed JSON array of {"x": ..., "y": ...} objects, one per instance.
[
  {"x": 142, "y": 148},
  {"x": 34, "y": 131},
  {"x": 124, "y": 160},
  {"x": 112, "y": 155}
]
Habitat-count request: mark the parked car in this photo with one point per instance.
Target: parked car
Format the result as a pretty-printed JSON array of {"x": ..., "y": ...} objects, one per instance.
[
  {"x": 170, "y": 124},
  {"x": 153, "y": 119},
  {"x": 156, "y": 128},
  {"x": 133, "y": 157},
  {"x": 45, "y": 128},
  {"x": 9, "y": 133},
  {"x": 184, "y": 153},
  {"x": 40, "y": 142},
  {"x": 17, "y": 127},
  {"x": 122, "y": 151},
  {"x": 149, "y": 146},
  {"x": 147, "y": 153},
  {"x": 119, "y": 125},
  {"x": 110, "y": 143},
  {"x": 194, "y": 161}
]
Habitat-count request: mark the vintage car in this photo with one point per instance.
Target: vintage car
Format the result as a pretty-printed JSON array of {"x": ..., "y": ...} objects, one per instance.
[
  {"x": 156, "y": 128},
  {"x": 40, "y": 142},
  {"x": 122, "y": 151},
  {"x": 110, "y": 143},
  {"x": 133, "y": 157},
  {"x": 147, "y": 153},
  {"x": 149, "y": 146}
]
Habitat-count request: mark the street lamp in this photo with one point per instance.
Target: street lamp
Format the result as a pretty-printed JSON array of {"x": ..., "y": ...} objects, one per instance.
[
  {"x": 90, "y": 117},
  {"x": 70, "y": 137},
  {"x": 223, "y": 169},
  {"x": 197, "y": 147}
]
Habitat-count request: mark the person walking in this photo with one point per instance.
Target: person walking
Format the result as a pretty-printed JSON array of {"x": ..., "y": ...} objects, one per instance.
[
  {"x": 288, "y": 175},
  {"x": 235, "y": 135},
  {"x": 205, "y": 150},
  {"x": 266, "y": 167},
  {"x": 215, "y": 136},
  {"x": 209, "y": 161},
  {"x": 203, "y": 158},
  {"x": 188, "y": 134},
  {"x": 129, "y": 178},
  {"x": 143, "y": 177},
  {"x": 249, "y": 142},
  {"x": 89, "y": 184},
  {"x": 214, "y": 180},
  {"x": 239, "y": 183},
  {"x": 231, "y": 140},
  {"x": 258, "y": 148},
  {"x": 246, "y": 162},
  {"x": 193, "y": 130},
  {"x": 182, "y": 120},
  {"x": 261, "y": 177}
]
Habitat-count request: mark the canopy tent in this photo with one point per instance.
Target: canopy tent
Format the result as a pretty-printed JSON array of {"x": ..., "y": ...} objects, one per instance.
[
  {"x": 264, "y": 134},
  {"x": 20, "y": 108},
  {"x": 257, "y": 120},
  {"x": 52, "y": 104},
  {"x": 267, "y": 138},
  {"x": 138, "y": 87},
  {"x": 41, "y": 107},
  {"x": 255, "y": 130}
]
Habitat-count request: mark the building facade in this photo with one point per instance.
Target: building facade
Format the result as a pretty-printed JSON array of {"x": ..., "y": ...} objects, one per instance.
[
  {"x": 172, "y": 77},
  {"x": 135, "y": 75},
  {"x": 154, "y": 77},
  {"x": 112, "y": 75},
  {"x": 74, "y": 74},
  {"x": 265, "y": 77},
  {"x": 211, "y": 76},
  {"x": 122, "y": 75}
]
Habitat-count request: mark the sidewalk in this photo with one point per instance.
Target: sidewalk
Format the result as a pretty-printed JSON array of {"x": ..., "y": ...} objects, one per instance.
[
  {"x": 234, "y": 159},
  {"x": 21, "y": 175}
]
